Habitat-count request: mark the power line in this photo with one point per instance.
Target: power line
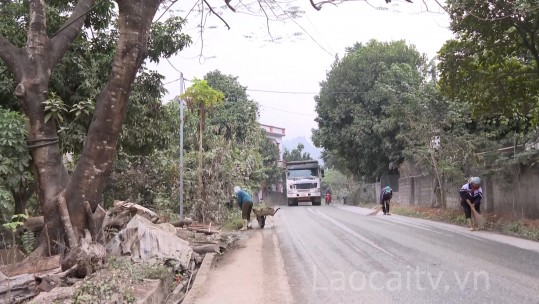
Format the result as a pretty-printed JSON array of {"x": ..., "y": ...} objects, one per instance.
[
  {"x": 305, "y": 31},
  {"x": 282, "y": 92},
  {"x": 290, "y": 112},
  {"x": 320, "y": 34}
]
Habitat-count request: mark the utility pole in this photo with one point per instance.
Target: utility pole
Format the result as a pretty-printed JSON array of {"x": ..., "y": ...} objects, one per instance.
[{"x": 181, "y": 146}]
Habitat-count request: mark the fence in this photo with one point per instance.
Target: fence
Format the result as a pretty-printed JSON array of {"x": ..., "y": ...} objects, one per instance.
[{"x": 519, "y": 197}]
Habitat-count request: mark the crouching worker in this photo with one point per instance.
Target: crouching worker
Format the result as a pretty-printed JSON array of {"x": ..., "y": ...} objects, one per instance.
[
  {"x": 245, "y": 202},
  {"x": 385, "y": 199},
  {"x": 471, "y": 193}
]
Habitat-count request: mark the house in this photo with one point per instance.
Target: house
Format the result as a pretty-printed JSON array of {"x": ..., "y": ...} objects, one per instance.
[{"x": 276, "y": 134}]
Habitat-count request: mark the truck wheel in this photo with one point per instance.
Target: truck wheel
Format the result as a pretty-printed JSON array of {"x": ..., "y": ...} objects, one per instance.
[
  {"x": 317, "y": 202},
  {"x": 291, "y": 202}
]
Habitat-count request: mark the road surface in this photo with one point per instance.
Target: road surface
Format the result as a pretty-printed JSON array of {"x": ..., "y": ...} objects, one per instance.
[{"x": 337, "y": 254}]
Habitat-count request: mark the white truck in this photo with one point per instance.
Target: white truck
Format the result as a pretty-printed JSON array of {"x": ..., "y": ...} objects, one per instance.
[{"x": 303, "y": 182}]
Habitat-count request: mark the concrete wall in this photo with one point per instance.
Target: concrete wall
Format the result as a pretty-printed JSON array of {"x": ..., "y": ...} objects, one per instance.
[
  {"x": 521, "y": 199},
  {"x": 364, "y": 193}
]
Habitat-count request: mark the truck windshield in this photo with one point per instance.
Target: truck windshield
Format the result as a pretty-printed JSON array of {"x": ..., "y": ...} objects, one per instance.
[{"x": 302, "y": 173}]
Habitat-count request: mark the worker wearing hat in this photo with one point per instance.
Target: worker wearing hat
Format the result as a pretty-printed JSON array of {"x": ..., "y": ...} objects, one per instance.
[
  {"x": 245, "y": 202},
  {"x": 385, "y": 198},
  {"x": 471, "y": 191}
]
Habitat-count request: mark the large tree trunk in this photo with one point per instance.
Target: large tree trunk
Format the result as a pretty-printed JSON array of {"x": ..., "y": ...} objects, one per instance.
[
  {"x": 91, "y": 173},
  {"x": 32, "y": 68}
]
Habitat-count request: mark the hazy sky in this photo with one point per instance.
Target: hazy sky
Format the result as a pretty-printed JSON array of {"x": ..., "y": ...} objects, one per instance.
[{"x": 297, "y": 64}]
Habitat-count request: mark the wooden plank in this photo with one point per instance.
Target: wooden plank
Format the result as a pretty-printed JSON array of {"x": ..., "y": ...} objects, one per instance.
[
  {"x": 32, "y": 265},
  {"x": 203, "y": 230},
  {"x": 25, "y": 281}
]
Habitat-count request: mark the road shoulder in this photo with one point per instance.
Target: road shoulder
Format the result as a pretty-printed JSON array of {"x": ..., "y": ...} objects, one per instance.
[{"x": 252, "y": 273}]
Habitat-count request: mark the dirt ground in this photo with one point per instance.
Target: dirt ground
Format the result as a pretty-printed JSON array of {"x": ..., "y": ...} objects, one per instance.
[{"x": 251, "y": 273}]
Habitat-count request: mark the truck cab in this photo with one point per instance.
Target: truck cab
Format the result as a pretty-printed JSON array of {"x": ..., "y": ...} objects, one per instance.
[{"x": 303, "y": 182}]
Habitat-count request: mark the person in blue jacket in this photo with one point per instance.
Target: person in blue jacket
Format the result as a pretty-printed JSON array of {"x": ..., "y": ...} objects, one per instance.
[
  {"x": 385, "y": 199},
  {"x": 245, "y": 202},
  {"x": 471, "y": 193}
]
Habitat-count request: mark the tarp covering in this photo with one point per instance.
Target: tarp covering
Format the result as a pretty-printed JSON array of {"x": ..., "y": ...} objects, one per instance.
[{"x": 145, "y": 241}]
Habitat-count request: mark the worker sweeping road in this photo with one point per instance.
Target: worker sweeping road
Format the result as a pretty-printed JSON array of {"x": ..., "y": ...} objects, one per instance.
[
  {"x": 385, "y": 199},
  {"x": 471, "y": 193},
  {"x": 245, "y": 202}
]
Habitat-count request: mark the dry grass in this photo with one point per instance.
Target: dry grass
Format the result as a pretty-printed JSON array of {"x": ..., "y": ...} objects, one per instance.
[{"x": 523, "y": 228}]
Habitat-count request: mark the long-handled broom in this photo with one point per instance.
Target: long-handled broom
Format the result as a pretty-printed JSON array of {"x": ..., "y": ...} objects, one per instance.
[{"x": 478, "y": 218}]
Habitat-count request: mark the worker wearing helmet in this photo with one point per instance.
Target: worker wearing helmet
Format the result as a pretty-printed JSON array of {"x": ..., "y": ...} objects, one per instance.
[
  {"x": 472, "y": 192},
  {"x": 245, "y": 202}
]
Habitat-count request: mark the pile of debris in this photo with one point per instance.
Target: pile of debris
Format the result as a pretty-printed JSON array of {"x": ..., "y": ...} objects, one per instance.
[{"x": 127, "y": 231}]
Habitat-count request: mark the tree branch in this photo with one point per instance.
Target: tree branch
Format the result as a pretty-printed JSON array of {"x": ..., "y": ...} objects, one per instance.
[
  {"x": 267, "y": 19},
  {"x": 37, "y": 29},
  {"x": 227, "y": 2},
  {"x": 9, "y": 54},
  {"x": 62, "y": 39},
  {"x": 211, "y": 10},
  {"x": 318, "y": 6},
  {"x": 530, "y": 45}
]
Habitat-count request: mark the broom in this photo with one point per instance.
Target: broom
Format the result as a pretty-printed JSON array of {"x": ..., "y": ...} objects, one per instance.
[
  {"x": 478, "y": 218},
  {"x": 375, "y": 212}
]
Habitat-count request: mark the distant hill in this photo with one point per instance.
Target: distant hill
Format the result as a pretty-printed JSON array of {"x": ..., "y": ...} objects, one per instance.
[{"x": 309, "y": 148}]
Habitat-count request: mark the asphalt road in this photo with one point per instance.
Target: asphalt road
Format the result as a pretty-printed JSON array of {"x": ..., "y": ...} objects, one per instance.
[{"x": 337, "y": 254}]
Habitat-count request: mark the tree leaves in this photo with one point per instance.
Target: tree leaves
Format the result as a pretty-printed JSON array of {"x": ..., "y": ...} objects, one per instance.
[
  {"x": 355, "y": 106},
  {"x": 494, "y": 61},
  {"x": 296, "y": 154}
]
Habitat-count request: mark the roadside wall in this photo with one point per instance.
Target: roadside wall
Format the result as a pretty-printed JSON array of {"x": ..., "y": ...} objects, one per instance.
[{"x": 520, "y": 199}]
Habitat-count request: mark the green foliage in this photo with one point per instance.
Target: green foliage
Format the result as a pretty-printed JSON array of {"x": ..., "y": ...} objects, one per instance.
[
  {"x": 296, "y": 154},
  {"x": 78, "y": 78},
  {"x": 14, "y": 159},
  {"x": 6, "y": 205},
  {"x": 356, "y": 102},
  {"x": 28, "y": 240},
  {"x": 54, "y": 108},
  {"x": 237, "y": 114},
  {"x": 235, "y": 152},
  {"x": 200, "y": 93},
  {"x": 519, "y": 229},
  {"x": 493, "y": 63},
  {"x": 270, "y": 161},
  {"x": 14, "y": 156},
  {"x": 339, "y": 183},
  {"x": 233, "y": 220},
  {"x": 166, "y": 38},
  {"x": 16, "y": 221},
  {"x": 147, "y": 125},
  {"x": 454, "y": 155}
]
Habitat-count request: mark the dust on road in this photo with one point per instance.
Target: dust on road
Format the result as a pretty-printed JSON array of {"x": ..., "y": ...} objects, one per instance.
[{"x": 252, "y": 273}]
